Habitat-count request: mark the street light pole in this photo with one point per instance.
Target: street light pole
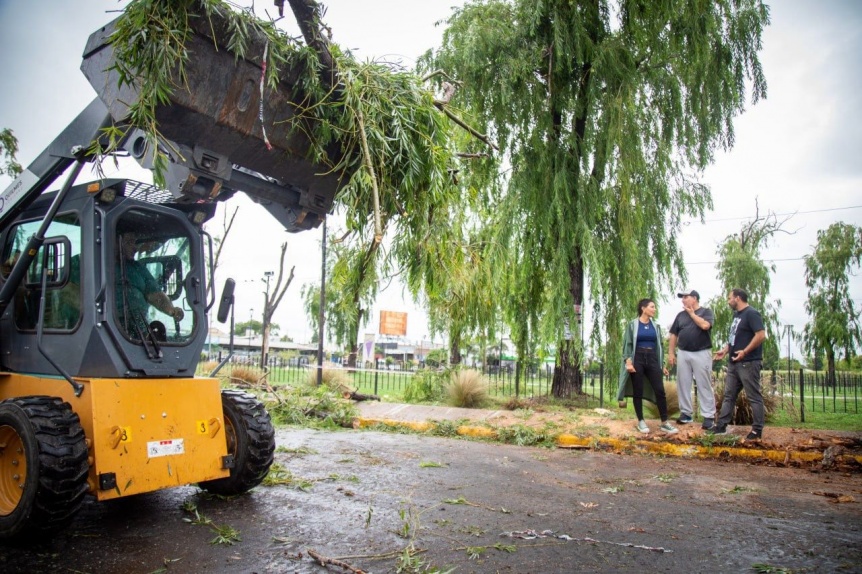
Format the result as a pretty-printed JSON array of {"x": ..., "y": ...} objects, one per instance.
[{"x": 250, "y": 319}]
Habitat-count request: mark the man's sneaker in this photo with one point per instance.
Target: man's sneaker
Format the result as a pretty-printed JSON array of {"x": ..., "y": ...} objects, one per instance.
[
  {"x": 717, "y": 429},
  {"x": 754, "y": 435},
  {"x": 684, "y": 419},
  {"x": 708, "y": 424},
  {"x": 642, "y": 427},
  {"x": 668, "y": 428}
]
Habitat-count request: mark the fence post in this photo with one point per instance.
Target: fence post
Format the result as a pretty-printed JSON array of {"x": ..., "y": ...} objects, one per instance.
[
  {"x": 601, "y": 384},
  {"x": 801, "y": 396},
  {"x": 517, "y": 379},
  {"x": 376, "y": 372}
]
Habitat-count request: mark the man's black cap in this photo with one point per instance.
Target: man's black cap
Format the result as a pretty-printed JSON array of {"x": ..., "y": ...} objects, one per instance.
[{"x": 691, "y": 292}]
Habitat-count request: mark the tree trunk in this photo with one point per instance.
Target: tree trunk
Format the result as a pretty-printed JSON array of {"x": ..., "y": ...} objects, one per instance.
[
  {"x": 568, "y": 376},
  {"x": 353, "y": 342},
  {"x": 455, "y": 348},
  {"x": 264, "y": 343},
  {"x": 568, "y": 380},
  {"x": 830, "y": 367}
]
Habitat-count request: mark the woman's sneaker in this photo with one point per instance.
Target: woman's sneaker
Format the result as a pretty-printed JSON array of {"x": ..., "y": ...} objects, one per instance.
[
  {"x": 668, "y": 428},
  {"x": 642, "y": 427}
]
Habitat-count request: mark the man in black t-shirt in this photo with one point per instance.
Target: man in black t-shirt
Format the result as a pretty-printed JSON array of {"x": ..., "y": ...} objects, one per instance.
[
  {"x": 690, "y": 335},
  {"x": 743, "y": 367}
]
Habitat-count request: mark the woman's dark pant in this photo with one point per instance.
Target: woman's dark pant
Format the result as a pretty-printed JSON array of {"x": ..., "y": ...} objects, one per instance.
[{"x": 646, "y": 366}]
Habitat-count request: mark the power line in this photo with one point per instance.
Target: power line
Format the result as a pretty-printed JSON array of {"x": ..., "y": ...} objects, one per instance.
[
  {"x": 780, "y": 214},
  {"x": 761, "y": 260}
]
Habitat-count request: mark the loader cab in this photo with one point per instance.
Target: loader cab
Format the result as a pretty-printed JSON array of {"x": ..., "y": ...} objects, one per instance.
[
  {"x": 151, "y": 258},
  {"x": 117, "y": 290}
]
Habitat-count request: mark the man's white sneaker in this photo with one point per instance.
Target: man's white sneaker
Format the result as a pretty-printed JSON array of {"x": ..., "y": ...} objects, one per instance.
[{"x": 642, "y": 427}]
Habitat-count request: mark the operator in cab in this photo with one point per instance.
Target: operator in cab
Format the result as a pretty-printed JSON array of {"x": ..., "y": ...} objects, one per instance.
[{"x": 137, "y": 289}]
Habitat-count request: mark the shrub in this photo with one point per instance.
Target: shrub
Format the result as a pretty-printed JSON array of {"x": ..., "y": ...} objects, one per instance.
[
  {"x": 467, "y": 388},
  {"x": 206, "y": 367},
  {"x": 332, "y": 379},
  {"x": 670, "y": 392},
  {"x": 426, "y": 386},
  {"x": 742, "y": 414},
  {"x": 245, "y": 376}
]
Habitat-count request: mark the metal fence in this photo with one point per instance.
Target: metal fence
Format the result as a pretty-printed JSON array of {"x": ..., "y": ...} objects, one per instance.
[
  {"x": 804, "y": 391},
  {"x": 815, "y": 391},
  {"x": 502, "y": 382}
]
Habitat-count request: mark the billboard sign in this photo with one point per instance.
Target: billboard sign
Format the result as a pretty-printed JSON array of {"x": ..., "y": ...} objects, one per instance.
[{"x": 393, "y": 323}]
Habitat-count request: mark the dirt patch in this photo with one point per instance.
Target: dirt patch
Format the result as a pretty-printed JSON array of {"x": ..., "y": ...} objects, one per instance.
[{"x": 620, "y": 425}]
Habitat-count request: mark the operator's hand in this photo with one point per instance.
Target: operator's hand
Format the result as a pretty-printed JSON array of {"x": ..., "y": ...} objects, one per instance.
[
  {"x": 719, "y": 355},
  {"x": 666, "y": 372},
  {"x": 738, "y": 356},
  {"x": 671, "y": 360},
  {"x": 630, "y": 367},
  {"x": 177, "y": 314}
]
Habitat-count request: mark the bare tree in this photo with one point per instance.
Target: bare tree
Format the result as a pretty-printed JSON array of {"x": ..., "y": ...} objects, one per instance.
[
  {"x": 271, "y": 302},
  {"x": 220, "y": 239}
]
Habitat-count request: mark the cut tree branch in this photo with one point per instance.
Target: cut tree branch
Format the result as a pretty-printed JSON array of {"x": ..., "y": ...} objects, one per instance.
[
  {"x": 308, "y": 16},
  {"x": 441, "y": 105}
]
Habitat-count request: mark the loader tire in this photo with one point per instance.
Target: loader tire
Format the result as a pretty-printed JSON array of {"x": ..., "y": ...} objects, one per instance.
[
  {"x": 43, "y": 467},
  {"x": 251, "y": 441}
]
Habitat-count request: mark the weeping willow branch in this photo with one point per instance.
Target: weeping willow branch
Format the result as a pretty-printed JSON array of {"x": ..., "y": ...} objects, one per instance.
[
  {"x": 366, "y": 155},
  {"x": 479, "y": 136}
]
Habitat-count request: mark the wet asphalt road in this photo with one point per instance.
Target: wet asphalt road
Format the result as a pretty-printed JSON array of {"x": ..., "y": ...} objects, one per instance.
[{"x": 368, "y": 495}]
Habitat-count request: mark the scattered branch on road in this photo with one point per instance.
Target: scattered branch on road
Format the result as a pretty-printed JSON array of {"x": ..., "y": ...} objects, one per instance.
[
  {"x": 532, "y": 534},
  {"x": 462, "y": 500},
  {"x": 323, "y": 561}
]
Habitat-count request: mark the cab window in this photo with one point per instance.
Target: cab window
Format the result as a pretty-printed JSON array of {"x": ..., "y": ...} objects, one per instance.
[{"x": 59, "y": 259}]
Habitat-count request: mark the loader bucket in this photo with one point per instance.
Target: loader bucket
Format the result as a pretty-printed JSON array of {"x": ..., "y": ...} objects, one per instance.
[{"x": 218, "y": 108}]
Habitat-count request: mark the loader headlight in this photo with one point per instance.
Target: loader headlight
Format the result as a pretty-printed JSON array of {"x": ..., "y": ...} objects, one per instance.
[
  {"x": 107, "y": 195},
  {"x": 197, "y": 217}
]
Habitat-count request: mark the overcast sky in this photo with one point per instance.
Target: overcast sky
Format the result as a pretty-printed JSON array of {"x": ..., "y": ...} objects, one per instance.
[{"x": 797, "y": 152}]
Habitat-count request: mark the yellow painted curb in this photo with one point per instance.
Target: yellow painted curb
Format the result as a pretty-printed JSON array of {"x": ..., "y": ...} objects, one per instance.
[
  {"x": 692, "y": 450},
  {"x": 630, "y": 445}
]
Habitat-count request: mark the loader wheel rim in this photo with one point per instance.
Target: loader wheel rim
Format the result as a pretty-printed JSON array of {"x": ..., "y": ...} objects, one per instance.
[
  {"x": 230, "y": 436},
  {"x": 13, "y": 469}
]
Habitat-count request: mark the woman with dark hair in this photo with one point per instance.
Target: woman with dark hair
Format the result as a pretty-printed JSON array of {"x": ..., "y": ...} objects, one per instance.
[{"x": 642, "y": 359}]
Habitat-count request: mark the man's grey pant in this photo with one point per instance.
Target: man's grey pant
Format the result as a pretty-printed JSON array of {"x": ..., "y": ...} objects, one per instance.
[
  {"x": 743, "y": 376},
  {"x": 697, "y": 365}
]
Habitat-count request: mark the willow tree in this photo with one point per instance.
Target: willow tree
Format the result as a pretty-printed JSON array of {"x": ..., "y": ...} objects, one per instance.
[
  {"x": 607, "y": 112},
  {"x": 741, "y": 265},
  {"x": 461, "y": 303},
  {"x": 834, "y": 318}
]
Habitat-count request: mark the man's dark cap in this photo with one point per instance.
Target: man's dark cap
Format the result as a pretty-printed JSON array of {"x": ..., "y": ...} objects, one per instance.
[{"x": 691, "y": 292}]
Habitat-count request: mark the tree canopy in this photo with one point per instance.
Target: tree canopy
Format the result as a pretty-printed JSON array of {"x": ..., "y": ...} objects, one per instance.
[
  {"x": 740, "y": 266},
  {"x": 834, "y": 317},
  {"x": 607, "y": 112}
]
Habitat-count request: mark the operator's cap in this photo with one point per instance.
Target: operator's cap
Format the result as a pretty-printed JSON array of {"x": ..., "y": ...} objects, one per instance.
[{"x": 691, "y": 292}]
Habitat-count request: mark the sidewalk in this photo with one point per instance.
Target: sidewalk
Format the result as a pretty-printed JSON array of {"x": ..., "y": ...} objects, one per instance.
[{"x": 603, "y": 430}]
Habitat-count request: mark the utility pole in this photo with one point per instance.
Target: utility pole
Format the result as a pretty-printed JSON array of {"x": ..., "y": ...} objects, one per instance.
[
  {"x": 789, "y": 329},
  {"x": 322, "y": 311}
]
